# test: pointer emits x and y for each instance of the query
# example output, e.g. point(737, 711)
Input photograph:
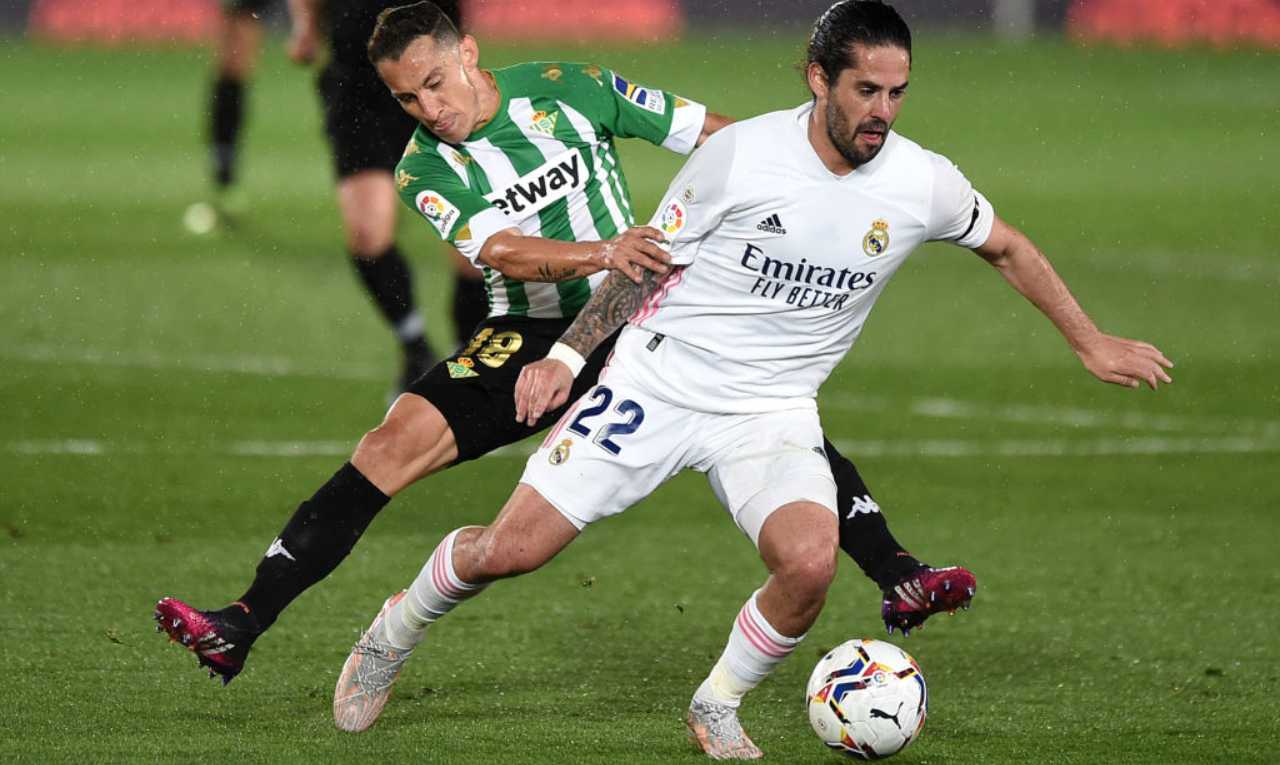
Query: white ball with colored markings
point(867, 699)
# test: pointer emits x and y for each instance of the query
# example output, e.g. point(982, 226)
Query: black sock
point(864, 534)
point(389, 282)
point(320, 534)
point(226, 113)
point(470, 306)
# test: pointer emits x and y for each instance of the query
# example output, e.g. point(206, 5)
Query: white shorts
point(618, 444)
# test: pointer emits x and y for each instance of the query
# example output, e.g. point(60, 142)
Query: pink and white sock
point(435, 592)
point(755, 648)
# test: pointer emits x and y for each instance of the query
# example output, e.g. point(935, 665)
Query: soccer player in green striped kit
point(516, 168)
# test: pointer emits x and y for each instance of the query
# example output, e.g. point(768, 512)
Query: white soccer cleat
point(368, 676)
point(715, 728)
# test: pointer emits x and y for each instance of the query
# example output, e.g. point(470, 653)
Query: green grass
point(1128, 604)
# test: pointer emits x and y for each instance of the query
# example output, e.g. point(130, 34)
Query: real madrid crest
point(560, 454)
point(877, 239)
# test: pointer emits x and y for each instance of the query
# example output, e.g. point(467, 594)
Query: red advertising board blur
point(1224, 23)
point(116, 21)
point(575, 19)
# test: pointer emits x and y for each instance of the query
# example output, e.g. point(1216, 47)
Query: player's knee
point(367, 240)
point(386, 448)
point(808, 567)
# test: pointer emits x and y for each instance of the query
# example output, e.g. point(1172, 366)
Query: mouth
point(874, 137)
point(443, 126)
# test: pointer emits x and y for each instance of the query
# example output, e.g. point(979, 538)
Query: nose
point(430, 106)
point(882, 106)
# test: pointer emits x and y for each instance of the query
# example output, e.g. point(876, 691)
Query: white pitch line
point(262, 366)
point(944, 448)
point(938, 407)
point(1036, 414)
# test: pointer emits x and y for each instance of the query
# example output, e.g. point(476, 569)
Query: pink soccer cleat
point(219, 640)
point(925, 592)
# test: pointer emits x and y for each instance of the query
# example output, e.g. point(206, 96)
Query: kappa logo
point(864, 504)
point(437, 210)
point(771, 225)
point(556, 179)
point(645, 98)
point(403, 180)
point(277, 548)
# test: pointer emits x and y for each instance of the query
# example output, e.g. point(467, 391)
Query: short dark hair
point(398, 27)
point(854, 22)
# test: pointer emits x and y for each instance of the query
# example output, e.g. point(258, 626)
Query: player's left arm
point(1111, 359)
point(711, 123)
point(544, 385)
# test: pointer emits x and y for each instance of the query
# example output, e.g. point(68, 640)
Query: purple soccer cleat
point(219, 643)
point(925, 592)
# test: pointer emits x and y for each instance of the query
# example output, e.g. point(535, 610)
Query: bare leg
point(527, 533)
point(797, 544)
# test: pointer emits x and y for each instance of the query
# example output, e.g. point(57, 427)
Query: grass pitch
point(169, 399)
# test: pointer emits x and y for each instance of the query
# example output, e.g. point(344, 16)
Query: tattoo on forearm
point(548, 273)
point(616, 300)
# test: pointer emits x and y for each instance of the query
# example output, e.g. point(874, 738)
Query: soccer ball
point(867, 699)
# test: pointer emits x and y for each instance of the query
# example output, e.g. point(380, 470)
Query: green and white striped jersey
point(545, 163)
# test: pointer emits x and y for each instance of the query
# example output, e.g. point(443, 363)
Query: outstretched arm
point(536, 259)
point(544, 385)
point(1111, 359)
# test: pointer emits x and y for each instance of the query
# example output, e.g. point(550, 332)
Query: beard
point(845, 139)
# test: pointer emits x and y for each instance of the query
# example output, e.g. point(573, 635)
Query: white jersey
point(782, 260)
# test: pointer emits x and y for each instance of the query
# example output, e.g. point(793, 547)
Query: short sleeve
point(958, 213)
point(658, 116)
point(437, 190)
point(698, 198)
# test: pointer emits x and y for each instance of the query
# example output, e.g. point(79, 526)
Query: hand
point(543, 385)
point(302, 46)
point(1125, 362)
point(634, 249)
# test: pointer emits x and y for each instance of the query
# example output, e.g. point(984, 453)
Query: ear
point(469, 52)
point(817, 81)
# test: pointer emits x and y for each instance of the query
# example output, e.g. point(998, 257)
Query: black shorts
point(367, 129)
point(475, 388)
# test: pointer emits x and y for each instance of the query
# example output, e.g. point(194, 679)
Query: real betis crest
point(461, 368)
point(544, 122)
point(877, 239)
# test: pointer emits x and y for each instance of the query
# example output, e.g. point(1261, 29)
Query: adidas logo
point(771, 225)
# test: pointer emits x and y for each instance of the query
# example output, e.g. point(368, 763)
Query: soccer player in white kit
point(785, 229)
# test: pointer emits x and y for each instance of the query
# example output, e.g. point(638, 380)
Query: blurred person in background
point(235, 57)
point(367, 134)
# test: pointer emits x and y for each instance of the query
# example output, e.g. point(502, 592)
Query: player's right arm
point(695, 203)
point(485, 235)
